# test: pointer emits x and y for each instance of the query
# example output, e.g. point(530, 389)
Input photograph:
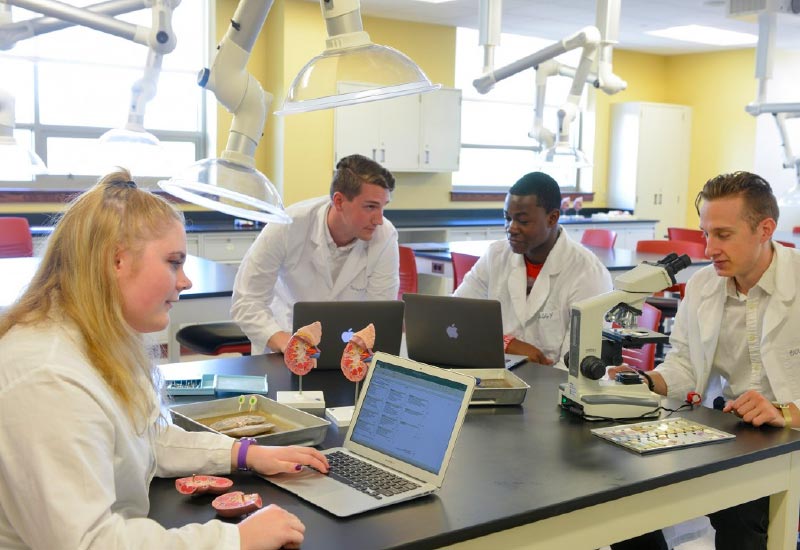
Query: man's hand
point(755, 409)
point(518, 347)
point(279, 341)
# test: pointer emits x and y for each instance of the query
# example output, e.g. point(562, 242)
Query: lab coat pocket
point(789, 360)
point(359, 283)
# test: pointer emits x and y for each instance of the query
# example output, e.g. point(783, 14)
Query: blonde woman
point(81, 434)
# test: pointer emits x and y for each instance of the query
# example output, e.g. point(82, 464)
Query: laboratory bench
point(530, 476)
point(221, 238)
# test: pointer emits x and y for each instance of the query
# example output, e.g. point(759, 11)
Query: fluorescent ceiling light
point(706, 35)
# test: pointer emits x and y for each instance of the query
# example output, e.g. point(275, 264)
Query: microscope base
point(607, 405)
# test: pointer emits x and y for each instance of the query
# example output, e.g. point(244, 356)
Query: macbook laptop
point(340, 320)
point(455, 332)
point(399, 443)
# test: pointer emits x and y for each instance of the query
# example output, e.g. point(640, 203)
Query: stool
point(214, 338)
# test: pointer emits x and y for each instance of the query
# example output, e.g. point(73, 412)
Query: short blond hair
point(76, 279)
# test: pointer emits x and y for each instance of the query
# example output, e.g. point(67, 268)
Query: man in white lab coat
point(338, 247)
point(537, 273)
point(752, 291)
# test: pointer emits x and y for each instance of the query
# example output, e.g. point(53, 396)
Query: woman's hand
point(291, 459)
point(271, 528)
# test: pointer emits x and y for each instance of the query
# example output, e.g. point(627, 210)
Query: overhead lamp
point(350, 56)
point(132, 145)
point(231, 183)
point(564, 154)
point(596, 44)
point(17, 163)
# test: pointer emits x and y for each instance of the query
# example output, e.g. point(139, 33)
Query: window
point(495, 148)
point(73, 85)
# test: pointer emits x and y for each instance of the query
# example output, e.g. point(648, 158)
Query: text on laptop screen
point(409, 415)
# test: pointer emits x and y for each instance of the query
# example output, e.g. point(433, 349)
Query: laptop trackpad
point(308, 480)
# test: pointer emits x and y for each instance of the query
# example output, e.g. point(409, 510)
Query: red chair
point(683, 234)
point(408, 272)
point(15, 238)
point(787, 244)
point(645, 357)
point(603, 238)
point(690, 248)
point(796, 230)
point(462, 263)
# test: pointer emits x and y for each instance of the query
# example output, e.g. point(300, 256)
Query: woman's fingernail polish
point(298, 467)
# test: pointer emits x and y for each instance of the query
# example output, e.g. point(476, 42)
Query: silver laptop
point(341, 319)
point(400, 439)
point(452, 332)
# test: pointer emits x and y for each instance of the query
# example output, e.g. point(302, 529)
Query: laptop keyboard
point(365, 477)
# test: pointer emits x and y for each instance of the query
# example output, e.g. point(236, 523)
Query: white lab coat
point(571, 273)
point(290, 263)
point(698, 322)
point(73, 472)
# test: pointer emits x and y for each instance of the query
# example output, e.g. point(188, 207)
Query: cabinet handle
point(427, 156)
point(374, 151)
point(383, 154)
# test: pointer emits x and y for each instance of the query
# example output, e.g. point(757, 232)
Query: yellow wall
point(717, 86)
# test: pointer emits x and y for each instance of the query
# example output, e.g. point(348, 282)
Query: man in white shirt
point(537, 273)
point(337, 248)
point(751, 291)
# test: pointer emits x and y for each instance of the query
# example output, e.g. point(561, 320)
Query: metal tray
point(496, 387)
point(306, 429)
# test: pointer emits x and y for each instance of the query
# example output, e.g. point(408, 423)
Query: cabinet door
point(399, 133)
point(440, 141)
point(356, 128)
point(663, 165)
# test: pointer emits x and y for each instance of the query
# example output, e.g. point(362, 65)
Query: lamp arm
point(236, 89)
point(144, 90)
point(489, 25)
point(485, 82)
point(567, 112)
point(13, 32)
point(160, 37)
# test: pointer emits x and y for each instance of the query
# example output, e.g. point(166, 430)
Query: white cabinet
point(649, 161)
point(415, 133)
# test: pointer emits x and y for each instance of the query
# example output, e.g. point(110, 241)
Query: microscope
point(592, 348)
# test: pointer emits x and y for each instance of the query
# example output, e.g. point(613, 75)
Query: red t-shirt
point(532, 271)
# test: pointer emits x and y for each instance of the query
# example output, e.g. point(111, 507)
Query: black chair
point(214, 338)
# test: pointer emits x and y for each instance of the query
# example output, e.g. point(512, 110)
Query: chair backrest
point(796, 229)
point(786, 244)
point(684, 234)
point(462, 263)
point(15, 238)
point(692, 249)
point(604, 238)
point(645, 357)
point(408, 272)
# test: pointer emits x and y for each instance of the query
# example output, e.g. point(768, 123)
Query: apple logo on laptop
point(452, 331)
point(347, 335)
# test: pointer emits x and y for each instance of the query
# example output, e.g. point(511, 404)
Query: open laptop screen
point(409, 415)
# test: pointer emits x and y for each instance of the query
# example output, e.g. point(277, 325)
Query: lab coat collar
point(712, 301)
point(785, 290)
point(526, 306)
point(319, 240)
